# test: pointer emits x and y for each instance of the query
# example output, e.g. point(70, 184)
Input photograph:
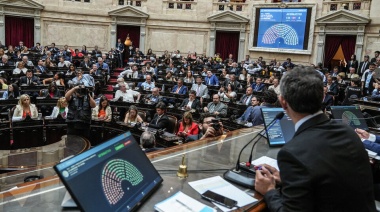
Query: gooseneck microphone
point(244, 178)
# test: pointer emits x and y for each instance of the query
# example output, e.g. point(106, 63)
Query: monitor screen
point(113, 176)
point(350, 115)
point(282, 28)
point(281, 131)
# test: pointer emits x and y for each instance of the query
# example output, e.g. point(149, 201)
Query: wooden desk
point(214, 154)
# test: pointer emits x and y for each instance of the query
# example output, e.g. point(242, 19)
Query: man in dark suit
point(96, 52)
point(332, 86)
point(324, 167)
point(40, 68)
point(232, 81)
point(29, 79)
point(364, 65)
point(377, 53)
point(191, 102)
point(160, 119)
point(120, 51)
point(327, 100)
point(368, 79)
point(180, 88)
point(154, 97)
point(246, 98)
point(258, 86)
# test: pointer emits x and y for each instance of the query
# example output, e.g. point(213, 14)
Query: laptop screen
point(281, 131)
point(113, 176)
point(350, 115)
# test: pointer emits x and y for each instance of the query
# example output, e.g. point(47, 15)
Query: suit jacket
point(162, 123)
point(259, 87)
point(220, 107)
point(203, 90)
point(195, 105)
point(334, 88)
point(373, 146)
point(324, 167)
point(351, 63)
point(18, 112)
point(24, 81)
point(213, 80)
point(236, 84)
point(182, 90)
point(327, 102)
point(41, 70)
point(245, 99)
point(153, 99)
point(359, 71)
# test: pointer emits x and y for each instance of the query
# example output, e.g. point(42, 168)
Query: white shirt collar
point(304, 119)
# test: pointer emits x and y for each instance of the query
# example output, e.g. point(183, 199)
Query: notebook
point(113, 176)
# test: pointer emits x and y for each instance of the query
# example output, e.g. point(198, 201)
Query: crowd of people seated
point(196, 84)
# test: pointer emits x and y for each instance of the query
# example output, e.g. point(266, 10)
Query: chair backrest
point(131, 85)
point(174, 124)
point(142, 114)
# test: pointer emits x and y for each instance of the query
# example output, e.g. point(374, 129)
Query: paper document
point(222, 187)
point(265, 160)
point(180, 202)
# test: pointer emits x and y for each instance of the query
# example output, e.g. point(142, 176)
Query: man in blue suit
point(211, 79)
point(258, 86)
point(370, 141)
point(180, 88)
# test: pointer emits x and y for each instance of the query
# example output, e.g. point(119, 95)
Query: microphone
point(246, 179)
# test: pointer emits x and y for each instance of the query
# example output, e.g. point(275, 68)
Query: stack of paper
point(181, 202)
point(265, 160)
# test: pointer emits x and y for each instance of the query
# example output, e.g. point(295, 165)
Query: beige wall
point(78, 23)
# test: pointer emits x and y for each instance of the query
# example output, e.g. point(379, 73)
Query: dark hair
point(356, 81)
point(161, 105)
point(232, 87)
point(102, 99)
point(302, 89)
point(192, 92)
point(133, 107)
point(354, 56)
point(16, 91)
point(269, 96)
point(206, 115)
point(29, 70)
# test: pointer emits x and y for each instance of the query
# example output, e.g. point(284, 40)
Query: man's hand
point(210, 132)
point(205, 109)
point(376, 85)
point(274, 171)
point(264, 181)
point(362, 133)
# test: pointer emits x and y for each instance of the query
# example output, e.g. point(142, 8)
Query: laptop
point(350, 115)
point(113, 176)
point(281, 131)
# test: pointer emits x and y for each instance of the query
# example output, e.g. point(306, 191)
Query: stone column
point(241, 44)
point(2, 26)
point(37, 27)
point(359, 43)
point(211, 51)
point(113, 33)
point(320, 45)
point(142, 38)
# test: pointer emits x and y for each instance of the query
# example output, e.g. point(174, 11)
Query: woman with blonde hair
point(61, 108)
point(103, 110)
point(187, 127)
point(24, 108)
point(132, 116)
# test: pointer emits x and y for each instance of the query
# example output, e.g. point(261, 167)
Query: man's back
point(324, 168)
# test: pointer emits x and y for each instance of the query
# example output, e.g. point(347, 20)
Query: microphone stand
point(244, 178)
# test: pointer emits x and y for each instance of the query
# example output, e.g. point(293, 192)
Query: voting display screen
point(282, 28)
point(113, 176)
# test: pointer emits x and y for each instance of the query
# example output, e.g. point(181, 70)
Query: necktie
point(42, 69)
point(198, 90)
point(29, 81)
point(178, 89)
point(245, 99)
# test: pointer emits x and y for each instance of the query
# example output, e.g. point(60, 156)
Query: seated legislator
point(370, 141)
point(375, 93)
point(180, 88)
point(327, 100)
point(63, 63)
point(247, 115)
point(216, 107)
point(332, 86)
point(94, 71)
point(258, 86)
point(86, 63)
point(12, 92)
point(324, 167)
point(269, 99)
point(169, 77)
point(29, 79)
point(102, 66)
point(209, 127)
point(211, 79)
point(84, 79)
point(130, 73)
point(40, 68)
point(128, 95)
point(201, 89)
point(102, 111)
point(52, 91)
point(121, 81)
point(246, 98)
point(160, 119)
point(148, 142)
point(191, 102)
point(352, 73)
point(20, 68)
point(227, 95)
point(276, 86)
point(61, 108)
point(154, 97)
point(187, 126)
point(132, 116)
point(148, 84)
point(24, 108)
point(57, 79)
point(232, 81)
point(189, 77)
point(353, 91)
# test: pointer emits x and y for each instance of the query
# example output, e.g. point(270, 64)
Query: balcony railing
point(180, 5)
point(232, 5)
point(361, 7)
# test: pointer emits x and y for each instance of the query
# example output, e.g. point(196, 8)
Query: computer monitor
point(281, 131)
point(113, 176)
point(351, 115)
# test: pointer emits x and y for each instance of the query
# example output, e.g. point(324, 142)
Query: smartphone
point(220, 199)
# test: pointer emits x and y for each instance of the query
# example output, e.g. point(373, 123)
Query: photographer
point(209, 127)
point(78, 118)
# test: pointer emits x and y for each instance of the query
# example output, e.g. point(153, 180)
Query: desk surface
point(214, 155)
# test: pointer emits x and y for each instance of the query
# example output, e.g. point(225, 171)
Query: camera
point(215, 124)
point(82, 90)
